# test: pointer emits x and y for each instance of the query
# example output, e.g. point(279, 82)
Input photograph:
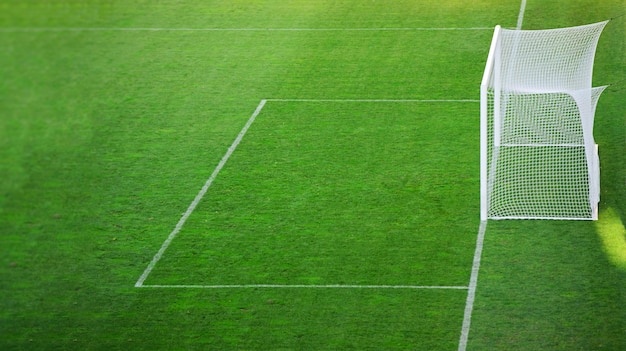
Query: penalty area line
point(199, 197)
point(305, 286)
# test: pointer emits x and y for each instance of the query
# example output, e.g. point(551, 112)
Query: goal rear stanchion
point(538, 156)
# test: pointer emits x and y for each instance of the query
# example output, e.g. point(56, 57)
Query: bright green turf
point(106, 137)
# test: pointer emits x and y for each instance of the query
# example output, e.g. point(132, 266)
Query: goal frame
point(490, 122)
point(484, 122)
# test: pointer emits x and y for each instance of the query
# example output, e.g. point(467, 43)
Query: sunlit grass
point(611, 230)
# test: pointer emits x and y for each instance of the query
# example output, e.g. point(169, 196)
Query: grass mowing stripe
point(200, 195)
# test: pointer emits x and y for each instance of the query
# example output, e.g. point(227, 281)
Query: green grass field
point(345, 217)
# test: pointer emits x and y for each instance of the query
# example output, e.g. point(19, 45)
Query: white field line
point(471, 293)
point(520, 16)
point(199, 197)
point(166, 29)
point(374, 100)
point(306, 286)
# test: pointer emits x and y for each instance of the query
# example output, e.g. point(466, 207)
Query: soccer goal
point(538, 158)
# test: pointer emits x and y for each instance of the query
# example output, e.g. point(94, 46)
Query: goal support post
point(538, 157)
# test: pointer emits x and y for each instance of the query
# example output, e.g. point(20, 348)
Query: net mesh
point(542, 160)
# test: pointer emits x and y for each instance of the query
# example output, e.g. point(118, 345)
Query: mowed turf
point(106, 136)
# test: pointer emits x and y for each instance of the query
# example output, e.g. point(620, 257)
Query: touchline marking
point(165, 29)
point(199, 197)
point(305, 286)
point(471, 293)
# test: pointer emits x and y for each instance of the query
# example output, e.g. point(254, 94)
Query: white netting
point(540, 158)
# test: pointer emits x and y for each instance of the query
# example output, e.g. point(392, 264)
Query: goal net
point(539, 159)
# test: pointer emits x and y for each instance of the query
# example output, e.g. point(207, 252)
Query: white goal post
point(538, 157)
